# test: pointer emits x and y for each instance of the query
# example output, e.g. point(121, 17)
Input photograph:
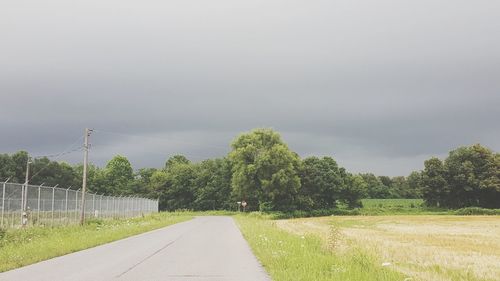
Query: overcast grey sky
point(379, 85)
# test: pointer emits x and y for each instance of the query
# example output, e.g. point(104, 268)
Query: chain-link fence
point(23, 205)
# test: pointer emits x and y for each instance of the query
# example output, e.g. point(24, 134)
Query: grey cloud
point(379, 85)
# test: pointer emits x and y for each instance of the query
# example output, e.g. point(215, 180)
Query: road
point(205, 248)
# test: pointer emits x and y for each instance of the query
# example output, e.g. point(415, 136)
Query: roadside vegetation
point(416, 248)
point(288, 256)
point(20, 247)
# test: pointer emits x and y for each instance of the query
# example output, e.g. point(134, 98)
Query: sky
point(378, 85)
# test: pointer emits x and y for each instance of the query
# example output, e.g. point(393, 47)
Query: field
point(418, 247)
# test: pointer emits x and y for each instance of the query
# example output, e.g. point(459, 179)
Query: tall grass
point(20, 247)
point(290, 257)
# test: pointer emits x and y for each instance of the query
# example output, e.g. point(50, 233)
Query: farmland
point(378, 247)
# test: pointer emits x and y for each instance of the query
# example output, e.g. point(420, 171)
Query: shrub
point(476, 211)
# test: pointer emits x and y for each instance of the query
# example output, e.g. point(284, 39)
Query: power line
point(57, 156)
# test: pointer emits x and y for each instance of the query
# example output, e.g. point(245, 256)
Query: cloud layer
point(380, 86)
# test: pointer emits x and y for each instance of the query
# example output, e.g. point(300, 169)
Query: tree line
point(264, 172)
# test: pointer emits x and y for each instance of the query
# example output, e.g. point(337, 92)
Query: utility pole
point(26, 181)
point(85, 160)
point(24, 195)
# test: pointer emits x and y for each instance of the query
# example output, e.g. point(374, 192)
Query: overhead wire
point(68, 150)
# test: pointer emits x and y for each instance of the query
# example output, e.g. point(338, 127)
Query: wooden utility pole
point(26, 181)
point(84, 183)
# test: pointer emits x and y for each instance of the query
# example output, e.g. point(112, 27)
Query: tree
point(414, 181)
point(174, 185)
point(179, 190)
point(322, 181)
point(213, 185)
point(473, 175)
point(374, 186)
point(19, 160)
point(265, 171)
point(176, 159)
point(354, 189)
point(6, 167)
point(118, 175)
point(435, 188)
point(142, 183)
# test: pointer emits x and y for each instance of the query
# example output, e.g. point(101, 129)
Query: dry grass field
point(421, 247)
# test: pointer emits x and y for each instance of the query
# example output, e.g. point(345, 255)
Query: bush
point(266, 206)
point(476, 211)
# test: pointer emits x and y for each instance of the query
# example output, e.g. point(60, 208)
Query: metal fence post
point(22, 204)
point(76, 204)
point(66, 215)
point(38, 204)
point(53, 197)
point(3, 199)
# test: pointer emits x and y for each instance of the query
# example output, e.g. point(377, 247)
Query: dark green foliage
point(470, 176)
point(265, 170)
point(476, 211)
point(213, 182)
point(375, 187)
point(322, 183)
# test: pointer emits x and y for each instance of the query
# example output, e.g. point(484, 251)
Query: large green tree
point(175, 184)
point(435, 188)
point(213, 182)
point(473, 175)
point(265, 170)
point(322, 182)
point(118, 175)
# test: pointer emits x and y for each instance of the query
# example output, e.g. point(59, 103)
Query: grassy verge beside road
point(20, 247)
point(288, 256)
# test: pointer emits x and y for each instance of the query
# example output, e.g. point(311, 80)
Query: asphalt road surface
point(205, 248)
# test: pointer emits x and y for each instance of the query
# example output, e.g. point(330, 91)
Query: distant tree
point(175, 185)
point(415, 185)
point(142, 185)
point(176, 159)
point(322, 182)
point(7, 167)
point(473, 176)
point(399, 188)
point(265, 171)
point(19, 160)
point(118, 174)
point(213, 185)
point(354, 189)
point(375, 188)
point(435, 188)
point(179, 191)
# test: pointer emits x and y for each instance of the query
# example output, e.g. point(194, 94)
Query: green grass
point(378, 207)
point(20, 247)
point(392, 203)
point(290, 257)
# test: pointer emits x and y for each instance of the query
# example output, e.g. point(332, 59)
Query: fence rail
point(23, 205)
